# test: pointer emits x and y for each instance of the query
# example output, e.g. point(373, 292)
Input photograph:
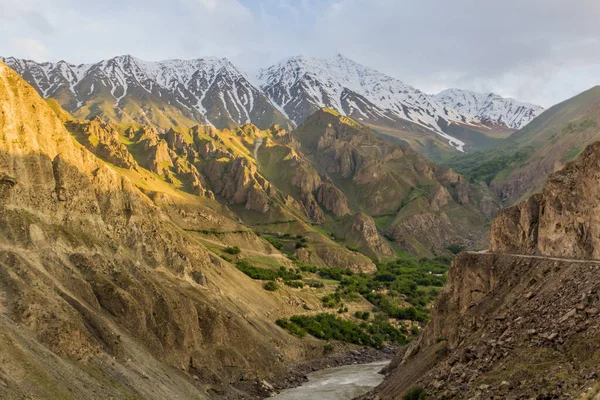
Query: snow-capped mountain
point(207, 90)
point(213, 91)
point(327, 82)
point(300, 85)
point(489, 108)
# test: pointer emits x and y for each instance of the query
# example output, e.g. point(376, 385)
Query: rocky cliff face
point(562, 221)
point(521, 321)
point(102, 139)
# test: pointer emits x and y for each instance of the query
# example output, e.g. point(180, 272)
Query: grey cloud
point(442, 43)
point(536, 50)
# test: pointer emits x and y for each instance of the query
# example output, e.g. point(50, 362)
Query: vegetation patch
point(398, 282)
point(294, 284)
point(266, 274)
point(572, 154)
point(331, 327)
point(578, 126)
point(271, 286)
point(232, 250)
point(401, 289)
point(484, 166)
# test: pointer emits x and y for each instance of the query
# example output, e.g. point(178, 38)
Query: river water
point(339, 383)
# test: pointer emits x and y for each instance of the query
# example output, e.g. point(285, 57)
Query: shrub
point(309, 268)
point(271, 286)
point(289, 274)
point(364, 315)
point(334, 273)
point(265, 274)
point(278, 244)
point(353, 249)
point(455, 248)
point(301, 245)
point(294, 284)
point(316, 284)
point(232, 250)
point(332, 300)
point(417, 393)
point(291, 327)
point(253, 272)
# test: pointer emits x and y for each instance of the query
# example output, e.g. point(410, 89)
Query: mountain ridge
point(302, 84)
point(213, 91)
point(207, 90)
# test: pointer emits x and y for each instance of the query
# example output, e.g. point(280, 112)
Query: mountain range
point(182, 230)
point(183, 93)
point(146, 263)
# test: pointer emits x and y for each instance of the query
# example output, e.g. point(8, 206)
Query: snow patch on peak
point(486, 108)
point(189, 83)
point(323, 81)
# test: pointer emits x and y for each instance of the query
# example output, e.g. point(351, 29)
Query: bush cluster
point(232, 250)
point(397, 282)
point(331, 327)
point(271, 286)
point(364, 315)
point(266, 274)
point(334, 273)
point(316, 284)
point(294, 284)
point(278, 244)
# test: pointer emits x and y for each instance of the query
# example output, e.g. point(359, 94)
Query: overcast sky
point(541, 51)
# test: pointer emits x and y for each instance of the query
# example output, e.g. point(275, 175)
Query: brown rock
point(333, 200)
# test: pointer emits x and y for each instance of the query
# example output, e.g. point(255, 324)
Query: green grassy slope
point(520, 165)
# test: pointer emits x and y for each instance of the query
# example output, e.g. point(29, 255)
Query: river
point(339, 383)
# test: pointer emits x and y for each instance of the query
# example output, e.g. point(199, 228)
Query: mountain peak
point(206, 90)
point(489, 107)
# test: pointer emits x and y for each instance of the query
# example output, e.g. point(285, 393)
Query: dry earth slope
point(101, 294)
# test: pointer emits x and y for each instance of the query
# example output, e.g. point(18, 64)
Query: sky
point(540, 51)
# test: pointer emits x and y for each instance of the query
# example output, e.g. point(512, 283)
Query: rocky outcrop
point(435, 231)
point(439, 197)
point(103, 140)
point(159, 158)
point(311, 207)
point(563, 220)
point(515, 229)
point(382, 179)
point(327, 254)
point(238, 182)
point(364, 232)
point(175, 140)
point(333, 200)
point(302, 175)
